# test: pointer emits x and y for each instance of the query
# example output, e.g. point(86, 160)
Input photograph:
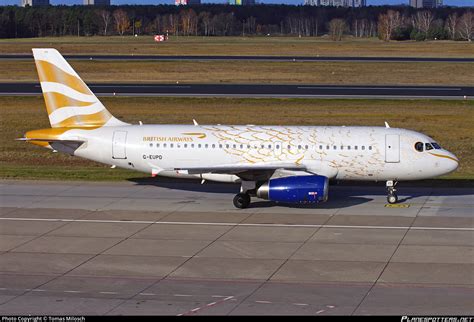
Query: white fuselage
point(346, 153)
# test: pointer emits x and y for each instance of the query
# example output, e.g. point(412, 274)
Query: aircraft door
point(392, 148)
point(119, 141)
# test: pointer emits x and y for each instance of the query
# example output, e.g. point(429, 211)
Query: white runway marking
point(237, 224)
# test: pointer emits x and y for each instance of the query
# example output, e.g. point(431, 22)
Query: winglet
point(386, 125)
point(195, 123)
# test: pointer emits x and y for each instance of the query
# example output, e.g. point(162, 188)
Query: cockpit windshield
point(428, 146)
point(435, 145)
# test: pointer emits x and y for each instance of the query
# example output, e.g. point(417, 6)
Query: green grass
point(448, 122)
point(293, 46)
point(350, 73)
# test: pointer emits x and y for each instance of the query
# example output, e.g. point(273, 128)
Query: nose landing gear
point(392, 197)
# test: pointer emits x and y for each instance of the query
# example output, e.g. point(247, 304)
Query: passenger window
point(306, 147)
point(320, 147)
point(327, 147)
point(299, 147)
point(199, 146)
point(289, 147)
point(241, 146)
point(213, 146)
point(342, 147)
point(363, 147)
point(248, 146)
point(348, 147)
point(277, 146)
point(151, 145)
point(428, 146)
point(185, 145)
point(355, 147)
point(164, 145)
point(171, 145)
point(334, 147)
point(206, 145)
point(419, 146)
point(269, 146)
point(220, 146)
point(192, 145)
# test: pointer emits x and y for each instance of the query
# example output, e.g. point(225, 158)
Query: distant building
point(426, 3)
point(194, 2)
point(96, 2)
point(242, 2)
point(33, 3)
point(336, 3)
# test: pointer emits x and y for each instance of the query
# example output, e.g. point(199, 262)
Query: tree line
point(387, 23)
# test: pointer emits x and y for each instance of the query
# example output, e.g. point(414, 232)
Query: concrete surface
point(182, 249)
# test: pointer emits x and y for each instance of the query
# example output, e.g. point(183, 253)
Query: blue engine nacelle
point(296, 189)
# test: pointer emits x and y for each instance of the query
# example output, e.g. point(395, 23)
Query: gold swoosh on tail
point(444, 156)
point(49, 72)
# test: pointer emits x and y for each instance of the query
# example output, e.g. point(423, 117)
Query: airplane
point(285, 164)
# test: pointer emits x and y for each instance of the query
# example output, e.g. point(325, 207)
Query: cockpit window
point(435, 145)
point(419, 146)
point(428, 146)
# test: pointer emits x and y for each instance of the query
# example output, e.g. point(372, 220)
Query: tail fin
point(69, 102)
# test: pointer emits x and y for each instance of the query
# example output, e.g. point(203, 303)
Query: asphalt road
point(250, 58)
point(181, 248)
point(255, 90)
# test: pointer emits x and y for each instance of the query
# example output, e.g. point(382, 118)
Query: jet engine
point(295, 189)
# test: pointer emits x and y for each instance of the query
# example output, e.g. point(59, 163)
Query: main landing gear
point(242, 199)
point(392, 197)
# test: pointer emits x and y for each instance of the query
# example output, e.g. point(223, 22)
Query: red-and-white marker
point(160, 38)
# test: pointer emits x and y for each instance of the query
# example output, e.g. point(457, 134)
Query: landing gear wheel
point(241, 200)
point(392, 198)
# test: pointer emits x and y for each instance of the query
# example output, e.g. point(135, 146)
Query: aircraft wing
point(263, 171)
point(260, 171)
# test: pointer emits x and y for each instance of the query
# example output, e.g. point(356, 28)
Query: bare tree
point(360, 28)
point(388, 23)
point(188, 21)
point(452, 25)
point(205, 18)
point(466, 26)
point(423, 20)
point(122, 22)
point(106, 17)
point(337, 28)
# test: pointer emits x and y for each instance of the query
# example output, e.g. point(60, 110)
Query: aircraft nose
point(452, 162)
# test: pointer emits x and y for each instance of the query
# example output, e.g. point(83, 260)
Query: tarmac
point(168, 248)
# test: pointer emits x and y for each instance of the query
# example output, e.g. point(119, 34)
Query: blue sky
point(369, 2)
